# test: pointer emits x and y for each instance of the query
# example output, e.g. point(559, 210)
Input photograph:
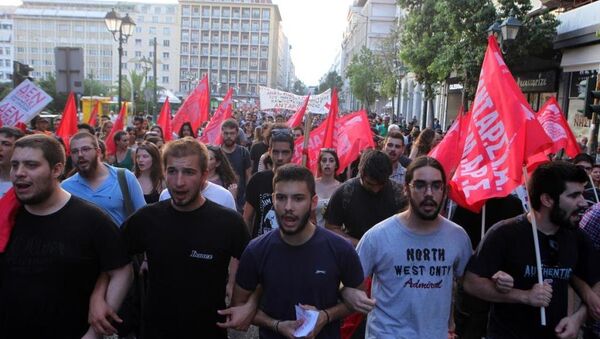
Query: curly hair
point(224, 170)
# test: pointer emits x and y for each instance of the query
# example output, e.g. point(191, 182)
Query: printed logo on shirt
point(320, 272)
point(424, 267)
point(561, 273)
point(203, 256)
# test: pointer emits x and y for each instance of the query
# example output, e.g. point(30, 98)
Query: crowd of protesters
point(184, 240)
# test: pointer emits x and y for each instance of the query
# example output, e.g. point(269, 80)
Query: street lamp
point(401, 71)
point(121, 29)
point(506, 31)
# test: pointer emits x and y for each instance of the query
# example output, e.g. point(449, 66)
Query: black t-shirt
point(258, 195)
point(308, 274)
point(358, 209)
point(256, 151)
point(50, 267)
point(508, 246)
point(188, 256)
point(240, 162)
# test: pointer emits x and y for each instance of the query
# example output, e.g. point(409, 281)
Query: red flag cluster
point(119, 125)
point(195, 108)
point(212, 132)
point(68, 124)
point(296, 119)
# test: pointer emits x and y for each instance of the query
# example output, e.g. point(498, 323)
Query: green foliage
point(331, 80)
point(133, 88)
point(93, 87)
point(299, 88)
point(5, 88)
point(48, 85)
point(364, 77)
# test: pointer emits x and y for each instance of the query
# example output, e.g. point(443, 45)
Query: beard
point(42, 195)
point(560, 218)
point(183, 203)
point(86, 173)
point(416, 208)
point(303, 223)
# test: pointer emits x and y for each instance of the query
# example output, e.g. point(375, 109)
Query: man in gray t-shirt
point(413, 258)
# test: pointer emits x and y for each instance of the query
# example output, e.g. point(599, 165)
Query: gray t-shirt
point(412, 277)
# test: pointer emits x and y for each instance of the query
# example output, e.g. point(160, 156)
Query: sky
point(314, 29)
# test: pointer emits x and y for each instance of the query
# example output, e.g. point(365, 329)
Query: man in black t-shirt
point(258, 210)
point(503, 270)
point(360, 203)
point(57, 249)
point(189, 241)
point(298, 264)
point(238, 157)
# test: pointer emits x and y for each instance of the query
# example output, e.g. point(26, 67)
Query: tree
point(48, 85)
point(299, 88)
point(363, 78)
point(389, 64)
point(331, 80)
point(93, 87)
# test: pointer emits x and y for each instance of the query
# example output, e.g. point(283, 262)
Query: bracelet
point(327, 314)
point(277, 326)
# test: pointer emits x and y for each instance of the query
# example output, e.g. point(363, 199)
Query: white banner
point(23, 103)
point(272, 98)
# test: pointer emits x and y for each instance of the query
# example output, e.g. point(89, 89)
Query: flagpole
point(536, 244)
point(593, 187)
point(307, 124)
point(483, 221)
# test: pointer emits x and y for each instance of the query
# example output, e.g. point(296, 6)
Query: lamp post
point(121, 29)
point(401, 72)
point(506, 31)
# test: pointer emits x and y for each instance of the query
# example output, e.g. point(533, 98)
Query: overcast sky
point(314, 29)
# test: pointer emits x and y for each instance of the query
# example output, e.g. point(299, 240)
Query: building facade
point(6, 43)
point(237, 43)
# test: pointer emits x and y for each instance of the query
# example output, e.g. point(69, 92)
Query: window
point(138, 29)
point(236, 12)
point(138, 42)
point(152, 30)
point(140, 18)
point(150, 42)
point(165, 80)
point(205, 11)
point(138, 54)
point(226, 12)
point(255, 13)
point(216, 11)
point(186, 10)
point(166, 43)
point(266, 14)
point(165, 55)
point(124, 53)
point(246, 13)
point(167, 31)
point(165, 67)
point(157, 10)
point(155, 19)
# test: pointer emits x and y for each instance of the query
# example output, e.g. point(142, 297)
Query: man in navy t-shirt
point(297, 264)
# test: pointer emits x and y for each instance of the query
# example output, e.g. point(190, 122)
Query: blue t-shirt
point(308, 274)
point(108, 195)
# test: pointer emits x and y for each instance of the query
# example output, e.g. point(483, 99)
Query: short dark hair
point(376, 165)
point(53, 151)
point(83, 135)
point(294, 172)
point(86, 127)
point(138, 118)
point(11, 132)
point(394, 135)
point(583, 157)
point(281, 133)
point(551, 178)
point(424, 161)
point(119, 135)
point(230, 123)
point(298, 128)
point(184, 147)
point(335, 158)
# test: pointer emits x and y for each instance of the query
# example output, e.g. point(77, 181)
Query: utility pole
point(155, 101)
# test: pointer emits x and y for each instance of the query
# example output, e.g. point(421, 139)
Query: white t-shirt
point(212, 192)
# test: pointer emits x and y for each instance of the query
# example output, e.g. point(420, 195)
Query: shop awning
point(581, 58)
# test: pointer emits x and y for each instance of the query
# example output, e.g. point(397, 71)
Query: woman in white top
point(326, 183)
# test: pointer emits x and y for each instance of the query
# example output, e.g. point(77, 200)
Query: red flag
point(556, 126)
point(94, 115)
point(353, 134)
point(195, 107)
point(118, 126)
point(68, 124)
point(501, 135)
point(164, 121)
point(212, 132)
point(446, 151)
point(331, 121)
point(9, 205)
point(296, 119)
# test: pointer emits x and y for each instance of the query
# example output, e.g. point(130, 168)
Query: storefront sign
point(537, 81)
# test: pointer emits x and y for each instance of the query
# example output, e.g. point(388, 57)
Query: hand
point(288, 327)
point(229, 289)
point(238, 317)
point(100, 316)
point(144, 267)
point(540, 295)
point(592, 301)
point(568, 328)
point(233, 189)
point(321, 321)
point(504, 281)
point(357, 300)
point(90, 334)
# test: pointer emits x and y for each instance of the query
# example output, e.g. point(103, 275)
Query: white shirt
point(212, 192)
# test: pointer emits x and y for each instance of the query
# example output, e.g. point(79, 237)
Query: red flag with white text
point(164, 121)
point(68, 124)
point(296, 118)
point(119, 125)
point(212, 132)
point(556, 126)
point(501, 135)
point(195, 107)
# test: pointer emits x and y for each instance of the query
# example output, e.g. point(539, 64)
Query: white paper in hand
point(309, 321)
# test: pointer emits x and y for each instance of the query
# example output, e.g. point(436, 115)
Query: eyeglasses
point(281, 132)
point(423, 186)
point(84, 150)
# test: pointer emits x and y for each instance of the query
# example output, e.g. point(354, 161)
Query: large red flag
point(195, 107)
point(296, 119)
point(119, 125)
point(212, 132)
point(556, 126)
point(164, 121)
point(328, 141)
point(353, 134)
point(446, 151)
point(9, 205)
point(501, 135)
point(94, 115)
point(68, 124)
